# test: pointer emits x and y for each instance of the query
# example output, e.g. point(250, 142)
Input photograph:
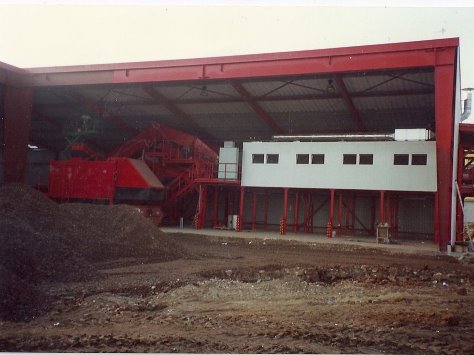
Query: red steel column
point(265, 212)
point(17, 122)
point(436, 220)
point(397, 208)
point(444, 117)
point(241, 209)
point(296, 214)
point(347, 227)
point(254, 209)
point(372, 215)
point(216, 206)
point(284, 212)
point(354, 201)
point(339, 215)
point(382, 207)
point(331, 214)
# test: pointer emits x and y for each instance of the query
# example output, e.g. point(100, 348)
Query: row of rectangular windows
point(347, 159)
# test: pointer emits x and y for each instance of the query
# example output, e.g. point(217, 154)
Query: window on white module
point(400, 159)
point(349, 159)
point(317, 158)
point(366, 159)
point(257, 159)
point(418, 159)
point(272, 158)
point(302, 158)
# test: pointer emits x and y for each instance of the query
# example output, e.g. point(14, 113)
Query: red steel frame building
point(439, 55)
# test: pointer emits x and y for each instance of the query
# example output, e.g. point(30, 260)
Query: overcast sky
point(45, 33)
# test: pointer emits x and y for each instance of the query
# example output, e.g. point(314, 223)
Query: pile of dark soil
point(116, 231)
point(44, 241)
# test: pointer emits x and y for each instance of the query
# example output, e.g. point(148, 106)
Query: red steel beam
point(348, 101)
point(105, 115)
point(17, 123)
point(264, 116)
point(338, 60)
point(171, 107)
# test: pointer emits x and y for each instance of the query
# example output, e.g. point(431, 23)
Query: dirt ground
point(259, 296)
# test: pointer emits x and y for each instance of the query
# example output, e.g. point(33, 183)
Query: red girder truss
point(264, 116)
point(360, 126)
point(171, 107)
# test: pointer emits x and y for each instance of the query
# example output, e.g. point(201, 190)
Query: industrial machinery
point(152, 171)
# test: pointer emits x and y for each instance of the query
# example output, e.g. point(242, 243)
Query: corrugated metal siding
point(416, 215)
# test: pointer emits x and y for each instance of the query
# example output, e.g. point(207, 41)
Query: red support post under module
point(347, 226)
point(254, 209)
point(241, 209)
point(395, 216)
point(339, 215)
point(17, 122)
point(265, 211)
point(382, 207)
point(296, 214)
point(284, 212)
point(216, 206)
point(372, 215)
point(202, 207)
point(354, 197)
point(331, 214)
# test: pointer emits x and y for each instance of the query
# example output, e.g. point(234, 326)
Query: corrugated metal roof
point(138, 110)
point(408, 102)
point(197, 91)
point(288, 87)
point(388, 82)
point(383, 102)
point(216, 108)
point(304, 105)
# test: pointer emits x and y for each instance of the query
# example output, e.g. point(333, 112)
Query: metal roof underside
point(383, 101)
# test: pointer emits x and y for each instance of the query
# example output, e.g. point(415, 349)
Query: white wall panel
point(382, 175)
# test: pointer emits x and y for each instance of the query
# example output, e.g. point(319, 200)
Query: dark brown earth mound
point(44, 241)
point(118, 231)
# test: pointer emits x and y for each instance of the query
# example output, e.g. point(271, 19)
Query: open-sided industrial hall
point(302, 97)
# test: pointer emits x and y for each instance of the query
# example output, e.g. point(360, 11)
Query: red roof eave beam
point(339, 60)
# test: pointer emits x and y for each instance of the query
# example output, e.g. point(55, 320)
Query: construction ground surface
point(255, 293)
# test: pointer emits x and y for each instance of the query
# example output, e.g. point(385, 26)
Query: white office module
point(387, 166)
